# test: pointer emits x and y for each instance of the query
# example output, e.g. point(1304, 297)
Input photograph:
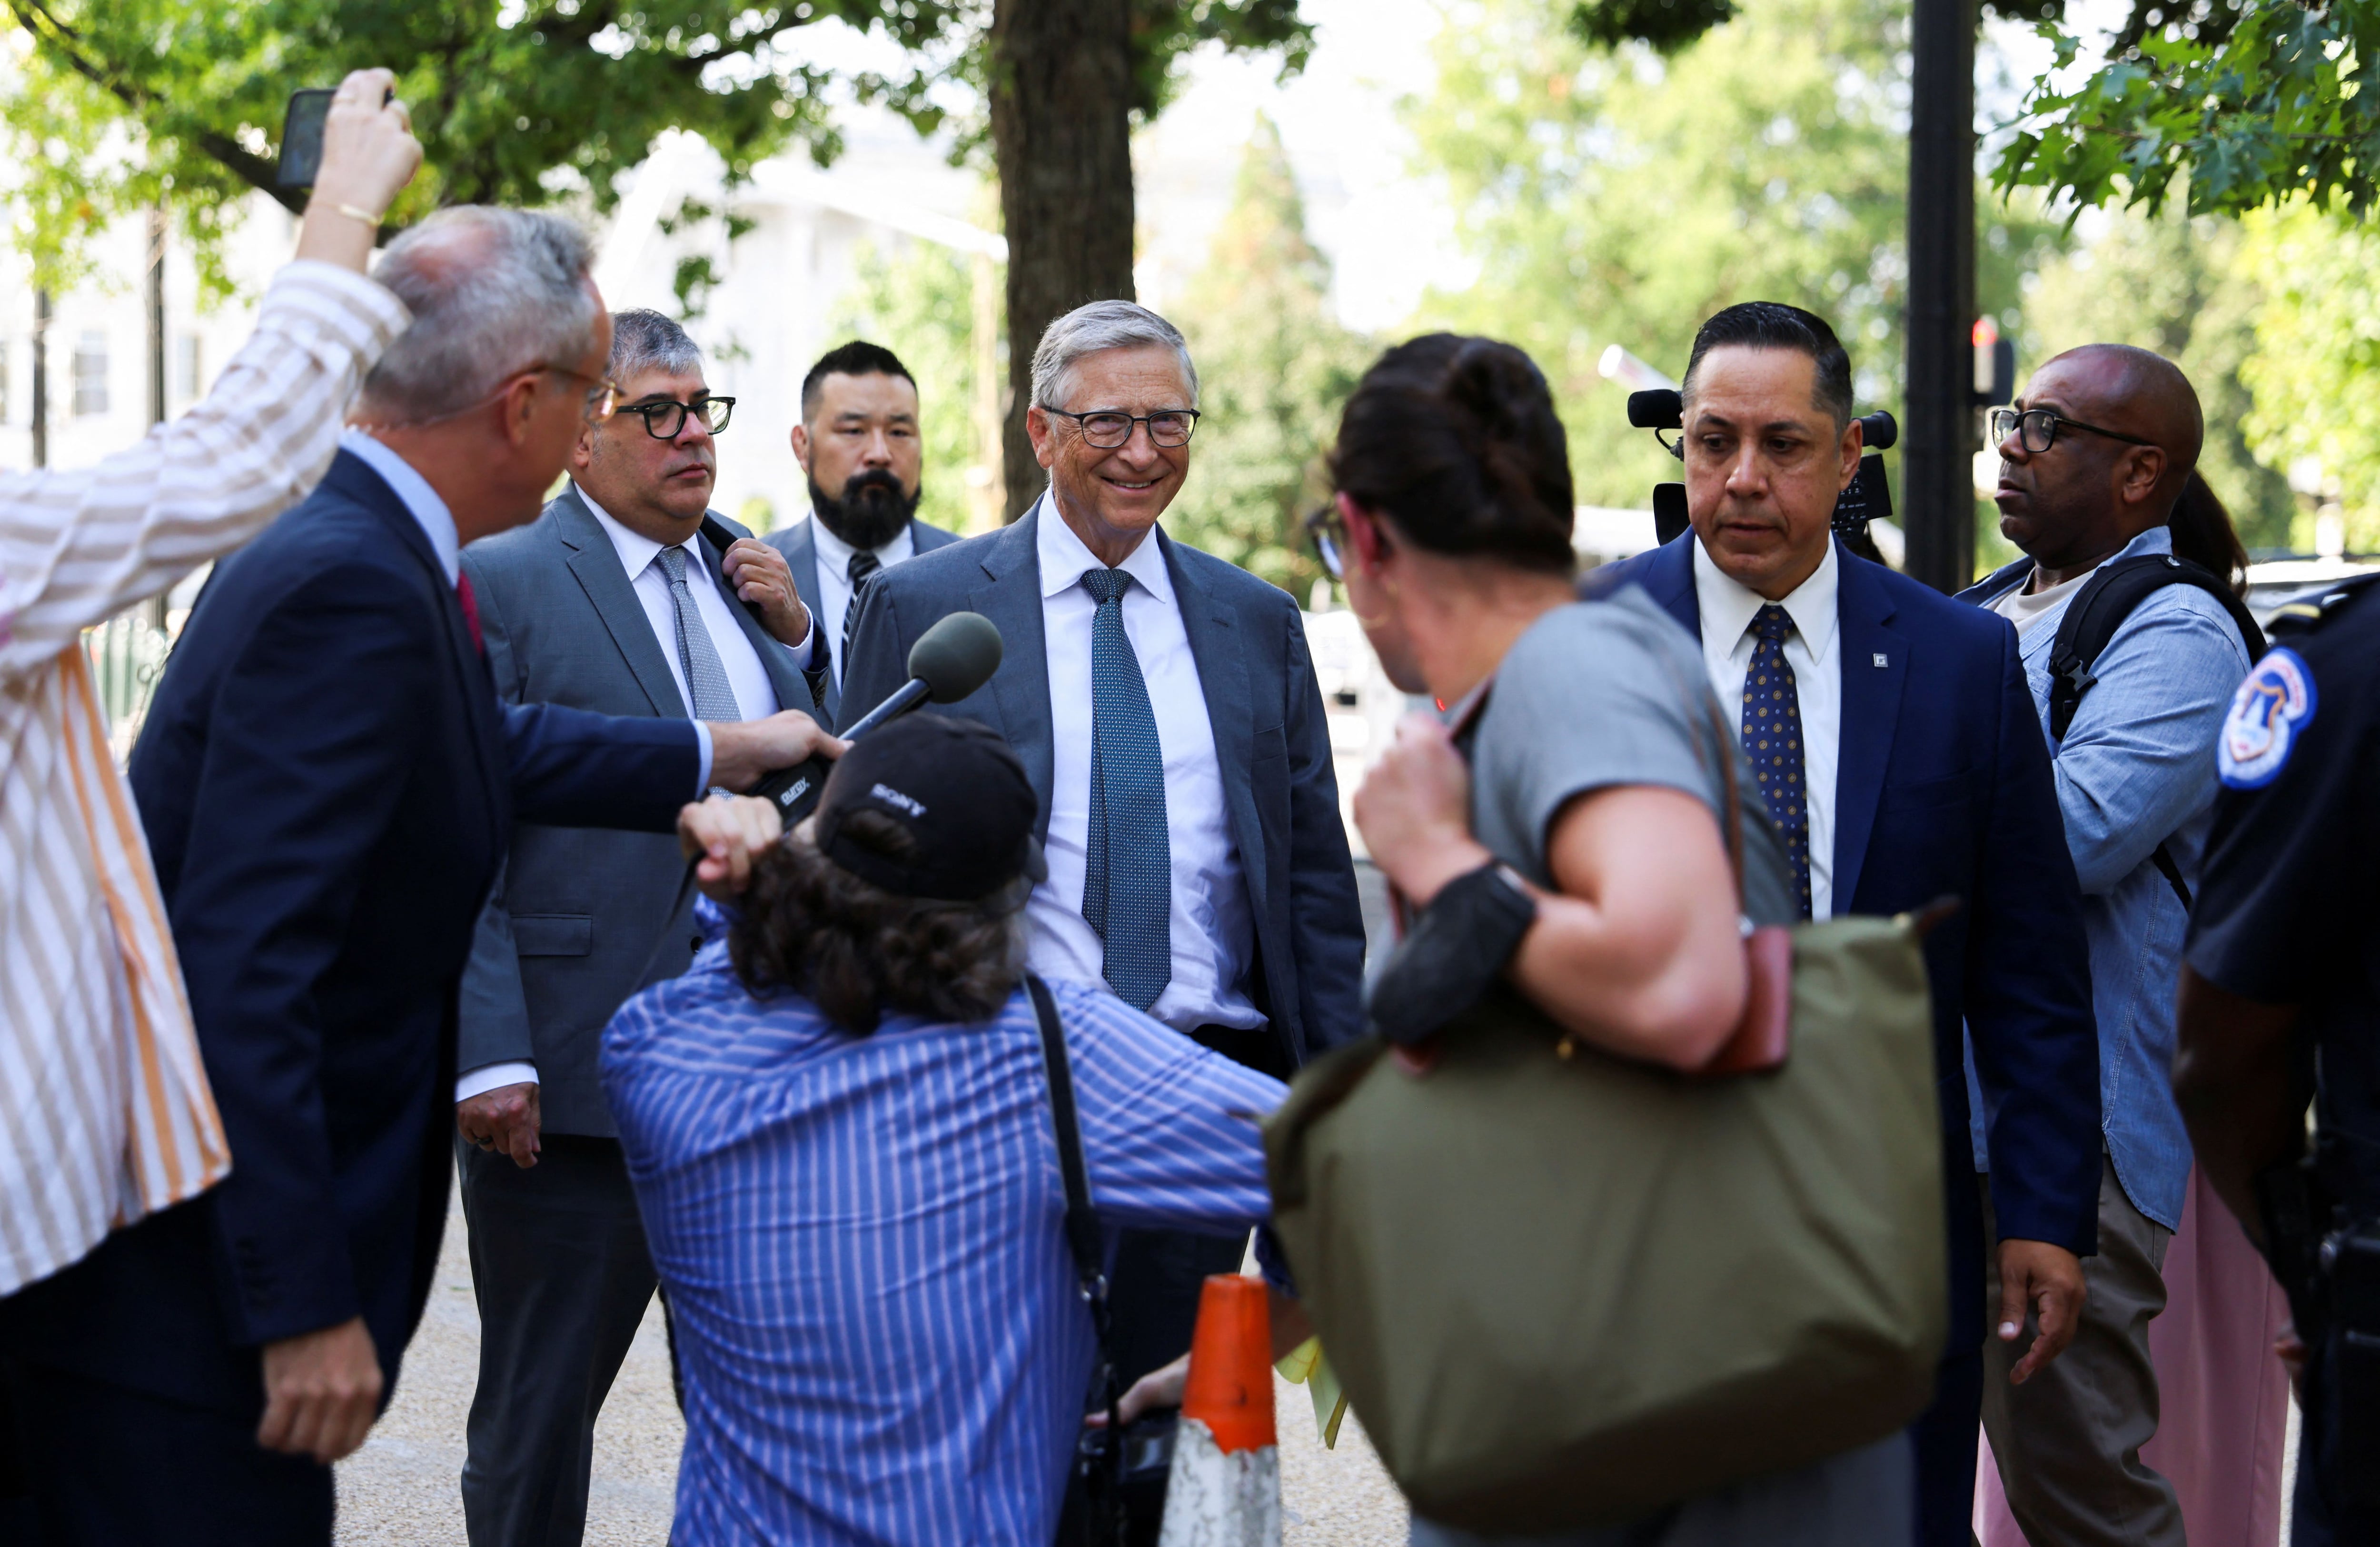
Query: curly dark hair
point(858, 951)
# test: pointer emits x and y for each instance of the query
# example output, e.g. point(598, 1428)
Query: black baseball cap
point(957, 787)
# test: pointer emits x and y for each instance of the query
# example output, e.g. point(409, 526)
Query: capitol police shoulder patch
point(2267, 712)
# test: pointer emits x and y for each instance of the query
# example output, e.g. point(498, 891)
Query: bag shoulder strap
point(1082, 1224)
point(2109, 597)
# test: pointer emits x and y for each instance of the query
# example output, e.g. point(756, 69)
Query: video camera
point(1867, 499)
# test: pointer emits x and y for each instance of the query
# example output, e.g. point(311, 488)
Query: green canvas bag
point(1564, 1289)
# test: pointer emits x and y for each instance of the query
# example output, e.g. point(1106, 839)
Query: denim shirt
point(2138, 766)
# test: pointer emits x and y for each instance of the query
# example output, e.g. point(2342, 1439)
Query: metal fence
point(128, 655)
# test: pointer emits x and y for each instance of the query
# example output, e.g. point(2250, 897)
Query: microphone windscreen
point(1656, 408)
point(956, 656)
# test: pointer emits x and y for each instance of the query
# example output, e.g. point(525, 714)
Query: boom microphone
point(949, 662)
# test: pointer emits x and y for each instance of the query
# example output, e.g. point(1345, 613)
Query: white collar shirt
point(835, 578)
point(1213, 933)
point(1815, 651)
point(756, 696)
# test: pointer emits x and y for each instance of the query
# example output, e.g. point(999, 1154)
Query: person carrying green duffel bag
point(1629, 1228)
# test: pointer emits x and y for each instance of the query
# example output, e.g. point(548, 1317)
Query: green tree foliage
point(2316, 371)
point(1275, 366)
point(1619, 195)
point(2247, 103)
point(919, 304)
point(2190, 289)
point(517, 102)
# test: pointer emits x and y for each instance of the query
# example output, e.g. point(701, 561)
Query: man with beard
point(859, 438)
point(614, 600)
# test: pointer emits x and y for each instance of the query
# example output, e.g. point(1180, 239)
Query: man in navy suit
point(858, 443)
point(1166, 711)
point(328, 784)
point(1896, 743)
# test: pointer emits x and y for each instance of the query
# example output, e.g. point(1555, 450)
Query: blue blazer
point(1943, 788)
point(579, 918)
point(1271, 737)
point(798, 543)
point(328, 784)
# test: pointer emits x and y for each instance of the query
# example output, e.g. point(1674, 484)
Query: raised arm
point(79, 546)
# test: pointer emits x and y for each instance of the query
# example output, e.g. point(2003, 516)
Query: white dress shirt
point(835, 578)
point(1214, 937)
point(1815, 651)
point(755, 695)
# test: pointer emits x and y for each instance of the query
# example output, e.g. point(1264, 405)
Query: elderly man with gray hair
point(1165, 706)
point(621, 597)
point(329, 785)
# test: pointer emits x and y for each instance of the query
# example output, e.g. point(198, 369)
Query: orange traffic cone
point(1225, 1489)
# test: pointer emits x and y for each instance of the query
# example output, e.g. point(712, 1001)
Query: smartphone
point(302, 137)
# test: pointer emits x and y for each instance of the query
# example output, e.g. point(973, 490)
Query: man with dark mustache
point(615, 599)
point(858, 441)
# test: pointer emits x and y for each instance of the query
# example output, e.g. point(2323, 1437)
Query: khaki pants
point(2069, 1440)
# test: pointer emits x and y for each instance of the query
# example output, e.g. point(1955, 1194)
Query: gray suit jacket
point(577, 913)
point(798, 543)
point(1266, 707)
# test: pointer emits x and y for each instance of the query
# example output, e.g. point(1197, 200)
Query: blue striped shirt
point(861, 1241)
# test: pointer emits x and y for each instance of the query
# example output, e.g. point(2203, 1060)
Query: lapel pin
point(1879, 660)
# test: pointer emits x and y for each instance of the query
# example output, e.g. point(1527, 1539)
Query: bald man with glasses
point(616, 600)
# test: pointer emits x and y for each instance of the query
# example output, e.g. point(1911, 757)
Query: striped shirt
point(861, 1240)
point(104, 1111)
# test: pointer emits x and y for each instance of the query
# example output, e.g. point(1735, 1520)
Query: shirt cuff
point(491, 1076)
point(702, 773)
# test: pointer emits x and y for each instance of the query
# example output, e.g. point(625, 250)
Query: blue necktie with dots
point(1128, 858)
point(1772, 736)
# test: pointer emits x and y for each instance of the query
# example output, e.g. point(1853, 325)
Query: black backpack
point(2106, 600)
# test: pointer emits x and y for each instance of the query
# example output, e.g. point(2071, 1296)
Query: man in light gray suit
point(1165, 706)
point(616, 599)
point(857, 437)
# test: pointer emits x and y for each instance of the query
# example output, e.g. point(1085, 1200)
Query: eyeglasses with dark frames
point(2037, 428)
point(1107, 429)
point(665, 419)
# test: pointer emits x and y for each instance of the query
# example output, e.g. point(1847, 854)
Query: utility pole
point(40, 378)
point(1938, 443)
point(156, 607)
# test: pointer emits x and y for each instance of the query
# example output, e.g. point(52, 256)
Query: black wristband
point(1450, 958)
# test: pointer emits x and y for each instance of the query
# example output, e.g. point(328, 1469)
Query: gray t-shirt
point(1602, 693)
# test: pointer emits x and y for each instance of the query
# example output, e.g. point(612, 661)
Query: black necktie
point(863, 564)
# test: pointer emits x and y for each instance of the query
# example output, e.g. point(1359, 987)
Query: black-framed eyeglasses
point(2037, 428)
point(664, 419)
point(1107, 429)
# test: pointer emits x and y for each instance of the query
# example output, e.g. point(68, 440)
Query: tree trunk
point(1062, 137)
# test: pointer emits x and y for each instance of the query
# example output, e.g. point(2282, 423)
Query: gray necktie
point(863, 564)
point(1128, 856)
point(706, 679)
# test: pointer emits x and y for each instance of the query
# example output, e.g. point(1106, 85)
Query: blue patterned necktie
point(1772, 736)
point(706, 677)
point(1128, 858)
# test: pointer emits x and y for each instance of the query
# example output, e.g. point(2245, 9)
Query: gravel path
point(400, 1488)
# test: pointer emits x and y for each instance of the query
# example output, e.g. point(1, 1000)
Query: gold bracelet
point(353, 213)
